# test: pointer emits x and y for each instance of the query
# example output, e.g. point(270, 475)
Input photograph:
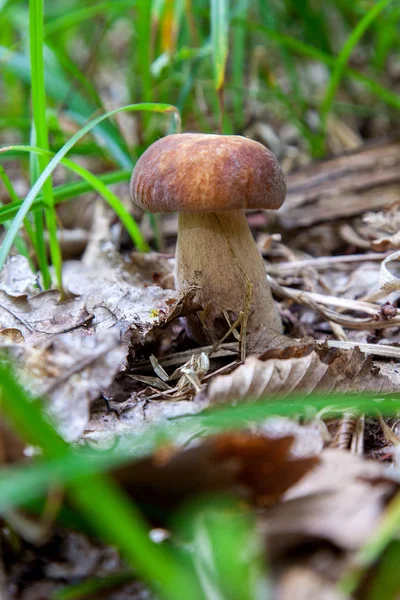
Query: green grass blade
point(143, 39)
point(36, 44)
point(344, 56)
point(8, 185)
point(79, 109)
point(37, 223)
point(19, 242)
point(78, 16)
point(386, 95)
point(113, 200)
point(26, 206)
point(35, 479)
point(98, 497)
point(130, 532)
point(219, 39)
point(92, 586)
point(271, 19)
point(386, 583)
point(239, 63)
point(369, 554)
point(229, 559)
point(62, 193)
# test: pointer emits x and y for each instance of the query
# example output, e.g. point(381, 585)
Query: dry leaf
point(71, 371)
point(39, 317)
point(391, 242)
point(17, 278)
point(340, 501)
point(69, 351)
point(117, 298)
point(309, 439)
point(256, 467)
point(334, 371)
point(389, 280)
point(135, 415)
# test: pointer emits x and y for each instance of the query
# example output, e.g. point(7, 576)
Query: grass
point(216, 63)
point(95, 496)
point(178, 35)
point(27, 203)
point(40, 135)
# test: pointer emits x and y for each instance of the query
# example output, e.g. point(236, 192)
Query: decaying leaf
point(117, 297)
point(341, 501)
point(17, 278)
point(39, 317)
point(135, 415)
point(71, 371)
point(258, 468)
point(71, 350)
point(279, 374)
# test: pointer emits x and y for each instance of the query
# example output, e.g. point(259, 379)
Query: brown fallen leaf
point(341, 502)
point(258, 468)
point(11, 446)
point(281, 373)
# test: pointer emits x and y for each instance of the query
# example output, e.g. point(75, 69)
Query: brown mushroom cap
point(196, 172)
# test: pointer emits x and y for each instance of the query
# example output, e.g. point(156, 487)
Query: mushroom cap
point(196, 172)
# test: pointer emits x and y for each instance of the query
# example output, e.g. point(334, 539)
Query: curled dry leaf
point(389, 279)
point(334, 371)
point(258, 468)
point(389, 242)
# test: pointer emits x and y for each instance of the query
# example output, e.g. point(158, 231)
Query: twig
point(345, 432)
point(344, 303)
point(323, 262)
point(243, 329)
point(373, 349)
point(307, 298)
point(179, 358)
point(217, 344)
point(357, 441)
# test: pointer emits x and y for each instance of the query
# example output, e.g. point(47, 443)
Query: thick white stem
point(216, 253)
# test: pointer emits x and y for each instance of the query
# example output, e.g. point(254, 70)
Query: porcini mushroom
point(210, 180)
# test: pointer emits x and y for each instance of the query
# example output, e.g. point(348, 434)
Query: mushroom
point(210, 180)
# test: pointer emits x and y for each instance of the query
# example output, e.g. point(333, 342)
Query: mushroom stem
point(216, 252)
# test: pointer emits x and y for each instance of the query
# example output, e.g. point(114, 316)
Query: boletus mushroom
point(210, 180)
